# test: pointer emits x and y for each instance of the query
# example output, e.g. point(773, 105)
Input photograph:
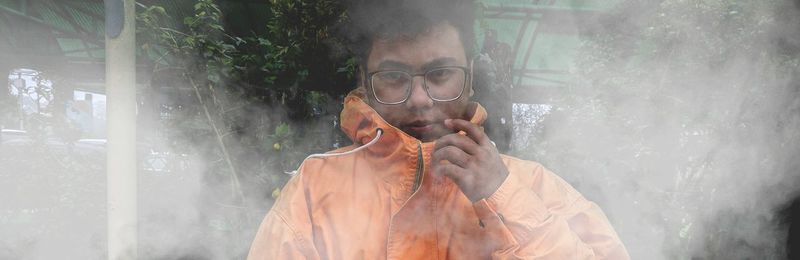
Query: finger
point(452, 171)
point(453, 155)
point(472, 130)
point(459, 141)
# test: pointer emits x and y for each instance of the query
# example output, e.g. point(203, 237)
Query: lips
point(421, 129)
point(420, 126)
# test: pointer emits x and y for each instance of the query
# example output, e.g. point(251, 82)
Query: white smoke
point(684, 125)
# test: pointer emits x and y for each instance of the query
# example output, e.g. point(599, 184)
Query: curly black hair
point(368, 20)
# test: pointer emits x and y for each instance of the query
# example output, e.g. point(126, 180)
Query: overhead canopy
point(65, 37)
point(544, 37)
point(61, 37)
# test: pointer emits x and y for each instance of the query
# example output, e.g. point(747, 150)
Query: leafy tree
point(245, 101)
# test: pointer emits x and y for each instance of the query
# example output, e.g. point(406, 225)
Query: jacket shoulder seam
point(295, 234)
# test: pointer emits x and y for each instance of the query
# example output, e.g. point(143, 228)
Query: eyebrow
point(444, 61)
point(392, 64)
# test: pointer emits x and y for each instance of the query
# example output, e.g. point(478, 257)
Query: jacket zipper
point(420, 165)
point(414, 188)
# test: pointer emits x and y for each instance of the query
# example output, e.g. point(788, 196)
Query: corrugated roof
point(538, 31)
point(70, 26)
point(63, 24)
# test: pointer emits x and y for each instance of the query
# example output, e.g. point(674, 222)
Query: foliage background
point(249, 104)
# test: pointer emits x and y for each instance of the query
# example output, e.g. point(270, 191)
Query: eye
point(392, 77)
point(440, 75)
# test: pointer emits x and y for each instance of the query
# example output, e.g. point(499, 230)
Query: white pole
point(121, 127)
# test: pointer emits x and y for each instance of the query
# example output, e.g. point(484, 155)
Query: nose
point(418, 98)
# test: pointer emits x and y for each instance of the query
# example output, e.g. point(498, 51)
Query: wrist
point(490, 188)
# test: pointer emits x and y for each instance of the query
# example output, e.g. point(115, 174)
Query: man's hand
point(474, 162)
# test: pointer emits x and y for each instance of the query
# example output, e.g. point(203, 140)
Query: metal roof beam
point(84, 36)
point(27, 17)
point(75, 7)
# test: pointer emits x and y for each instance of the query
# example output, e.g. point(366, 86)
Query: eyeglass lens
point(442, 84)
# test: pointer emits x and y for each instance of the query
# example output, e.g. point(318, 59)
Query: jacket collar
point(360, 122)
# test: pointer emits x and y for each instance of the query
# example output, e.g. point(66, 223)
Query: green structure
point(62, 38)
point(542, 37)
point(65, 38)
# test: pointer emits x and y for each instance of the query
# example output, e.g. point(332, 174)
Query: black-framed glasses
point(442, 84)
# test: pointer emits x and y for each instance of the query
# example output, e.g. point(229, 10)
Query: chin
point(422, 137)
point(428, 136)
point(428, 139)
point(432, 136)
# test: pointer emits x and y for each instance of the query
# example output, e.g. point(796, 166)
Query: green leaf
point(282, 130)
point(213, 77)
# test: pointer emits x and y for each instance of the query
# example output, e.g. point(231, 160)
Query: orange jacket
point(380, 202)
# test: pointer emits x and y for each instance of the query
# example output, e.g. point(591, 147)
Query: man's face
point(420, 116)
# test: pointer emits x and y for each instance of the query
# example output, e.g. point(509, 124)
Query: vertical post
point(5, 98)
point(21, 87)
point(121, 146)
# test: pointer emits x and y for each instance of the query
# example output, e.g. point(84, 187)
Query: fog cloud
point(682, 123)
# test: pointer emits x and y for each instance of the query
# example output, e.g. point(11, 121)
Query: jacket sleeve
point(285, 233)
point(540, 216)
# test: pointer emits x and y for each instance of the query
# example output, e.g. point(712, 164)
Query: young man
point(422, 180)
